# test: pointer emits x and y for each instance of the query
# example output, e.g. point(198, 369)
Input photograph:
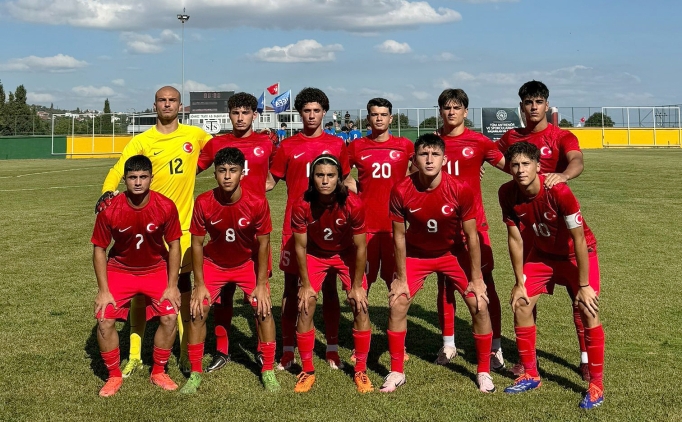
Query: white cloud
point(303, 51)
point(360, 16)
point(421, 95)
point(93, 91)
point(119, 82)
point(146, 44)
point(191, 85)
point(336, 90)
point(444, 57)
point(58, 63)
point(228, 87)
point(37, 97)
point(393, 47)
point(370, 93)
point(489, 1)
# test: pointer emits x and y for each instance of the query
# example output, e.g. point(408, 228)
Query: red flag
point(274, 89)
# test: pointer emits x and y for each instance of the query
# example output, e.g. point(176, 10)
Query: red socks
point(594, 337)
point(483, 343)
point(160, 357)
point(268, 351)
point(361, 340)
point(222, 315)
point(579, 328)
point(446, 307)
point(306, 344)
point(195, 353)
point(525, 342)
point(396, 348)
point(494, 309)
point(112, 360)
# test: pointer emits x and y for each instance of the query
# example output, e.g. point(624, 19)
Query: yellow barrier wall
point(97, 147)
point(623, 137)
point(588, 138)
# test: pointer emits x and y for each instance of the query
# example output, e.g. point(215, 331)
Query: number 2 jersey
point(380, 166)
point(550, 215)
point(138, 234)
point(434, 217)
point(174, 164)
point(232, 227)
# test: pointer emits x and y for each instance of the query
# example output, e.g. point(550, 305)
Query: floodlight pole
point(183, 18)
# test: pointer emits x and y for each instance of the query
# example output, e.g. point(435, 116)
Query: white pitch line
point(50, 187)
point(47, 172)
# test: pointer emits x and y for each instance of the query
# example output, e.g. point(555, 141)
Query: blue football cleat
point(523, 383)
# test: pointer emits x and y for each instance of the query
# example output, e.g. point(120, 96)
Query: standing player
point(258, 150)
point(281, 133)
point(139, 222)
point(467, 151)
point(563, 250)
point(329, 233)
point(430, 209)
point(292, 163)
point(236, 220)
point(354, 133)
point(562, 160)
point(173, 149)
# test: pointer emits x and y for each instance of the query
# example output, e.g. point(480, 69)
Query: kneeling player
point(429, 210)
point(235, 220)
point(329, 235)
point(564, 251)
point(139, 222)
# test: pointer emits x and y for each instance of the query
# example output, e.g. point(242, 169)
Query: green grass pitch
point(50, 366)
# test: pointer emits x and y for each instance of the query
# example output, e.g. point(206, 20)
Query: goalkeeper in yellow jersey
point(173, 149)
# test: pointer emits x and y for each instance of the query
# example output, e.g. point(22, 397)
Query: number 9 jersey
point(174, 164)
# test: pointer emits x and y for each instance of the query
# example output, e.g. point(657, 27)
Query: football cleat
point(110, 388)
point(497, 361)
point(594, 397)
point(585, 371)
point(270, 381)
point(192, 384)
point(219, 360)
point(485, 382)
point(164, 381)
point(130, 367)
point(304, 383)
point(363, 383)
point(286, 361)
point(523, 383)
point(392, 381)
point(445, 355)
point(334, 360)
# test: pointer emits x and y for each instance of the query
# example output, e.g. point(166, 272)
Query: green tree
point(105, 123)
point(595, 120)
point(429, 123)
point(402, 118)
point(565, 123)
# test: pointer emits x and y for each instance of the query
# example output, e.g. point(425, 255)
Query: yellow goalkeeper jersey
point(174, 164)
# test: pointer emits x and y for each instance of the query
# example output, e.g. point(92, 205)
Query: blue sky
point(76, 53)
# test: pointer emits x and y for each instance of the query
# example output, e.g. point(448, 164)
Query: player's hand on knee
point(261, 298)
point(519, 297)
point(102, 300)
point(196, 305)
point(172, 294)
point(104, 201)
point(480, 291)
point(399, 288)
point(357, 299)
point(587, 300)
point(304, 295)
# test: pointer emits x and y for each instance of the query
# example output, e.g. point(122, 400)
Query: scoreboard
point(206, 102)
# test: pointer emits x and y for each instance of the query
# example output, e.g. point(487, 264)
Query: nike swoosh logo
point(213, 223)
point(124, 229)
point(364, 157)
point(521, 215)
point(157, 152)
point(168, 308)
point(413, 211)
point(298, 155)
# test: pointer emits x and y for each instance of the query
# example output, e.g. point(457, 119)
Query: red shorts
point(542, 273)
point(455, 268)
point(287, 255)
point(124, 286)
point(380, 257)
point(344, 266)
point(215, 278)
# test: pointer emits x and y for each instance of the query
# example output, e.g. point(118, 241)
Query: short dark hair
point(341, 192)
point(311, 95)
point(522, 148)
point(429, 140)
point(379, 102)
point(137, 163)
point(242, 99)
point(328, 124)
point(533, 89)
point(229, 155)
point(283, 125)
point(458, 96)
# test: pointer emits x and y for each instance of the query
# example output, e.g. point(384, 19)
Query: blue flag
point(261, 104)
point(281, 102)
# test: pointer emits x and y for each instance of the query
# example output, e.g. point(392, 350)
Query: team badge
point(394, 155)
point(151, 227)
point(468, 152)
point(550, 216)
point(188, 147)
point(243, 222)
point(545, 152)
point(258, 152)
point(447, 209)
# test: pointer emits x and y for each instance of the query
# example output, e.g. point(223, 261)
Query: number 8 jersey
point(550, 214)
point(434, 217)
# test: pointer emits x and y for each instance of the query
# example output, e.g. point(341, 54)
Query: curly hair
point(311, 95)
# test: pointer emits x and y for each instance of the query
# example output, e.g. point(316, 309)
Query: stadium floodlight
point(183, 18)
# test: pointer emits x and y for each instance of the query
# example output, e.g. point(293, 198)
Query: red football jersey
point(138, 234)
point(434, 217)
point(466, 154)
point(554, 143)
point(258, 153)
point(380, 166)
point(292, 163)
point(551, 214)
point(330, 229)
point(232, 228)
